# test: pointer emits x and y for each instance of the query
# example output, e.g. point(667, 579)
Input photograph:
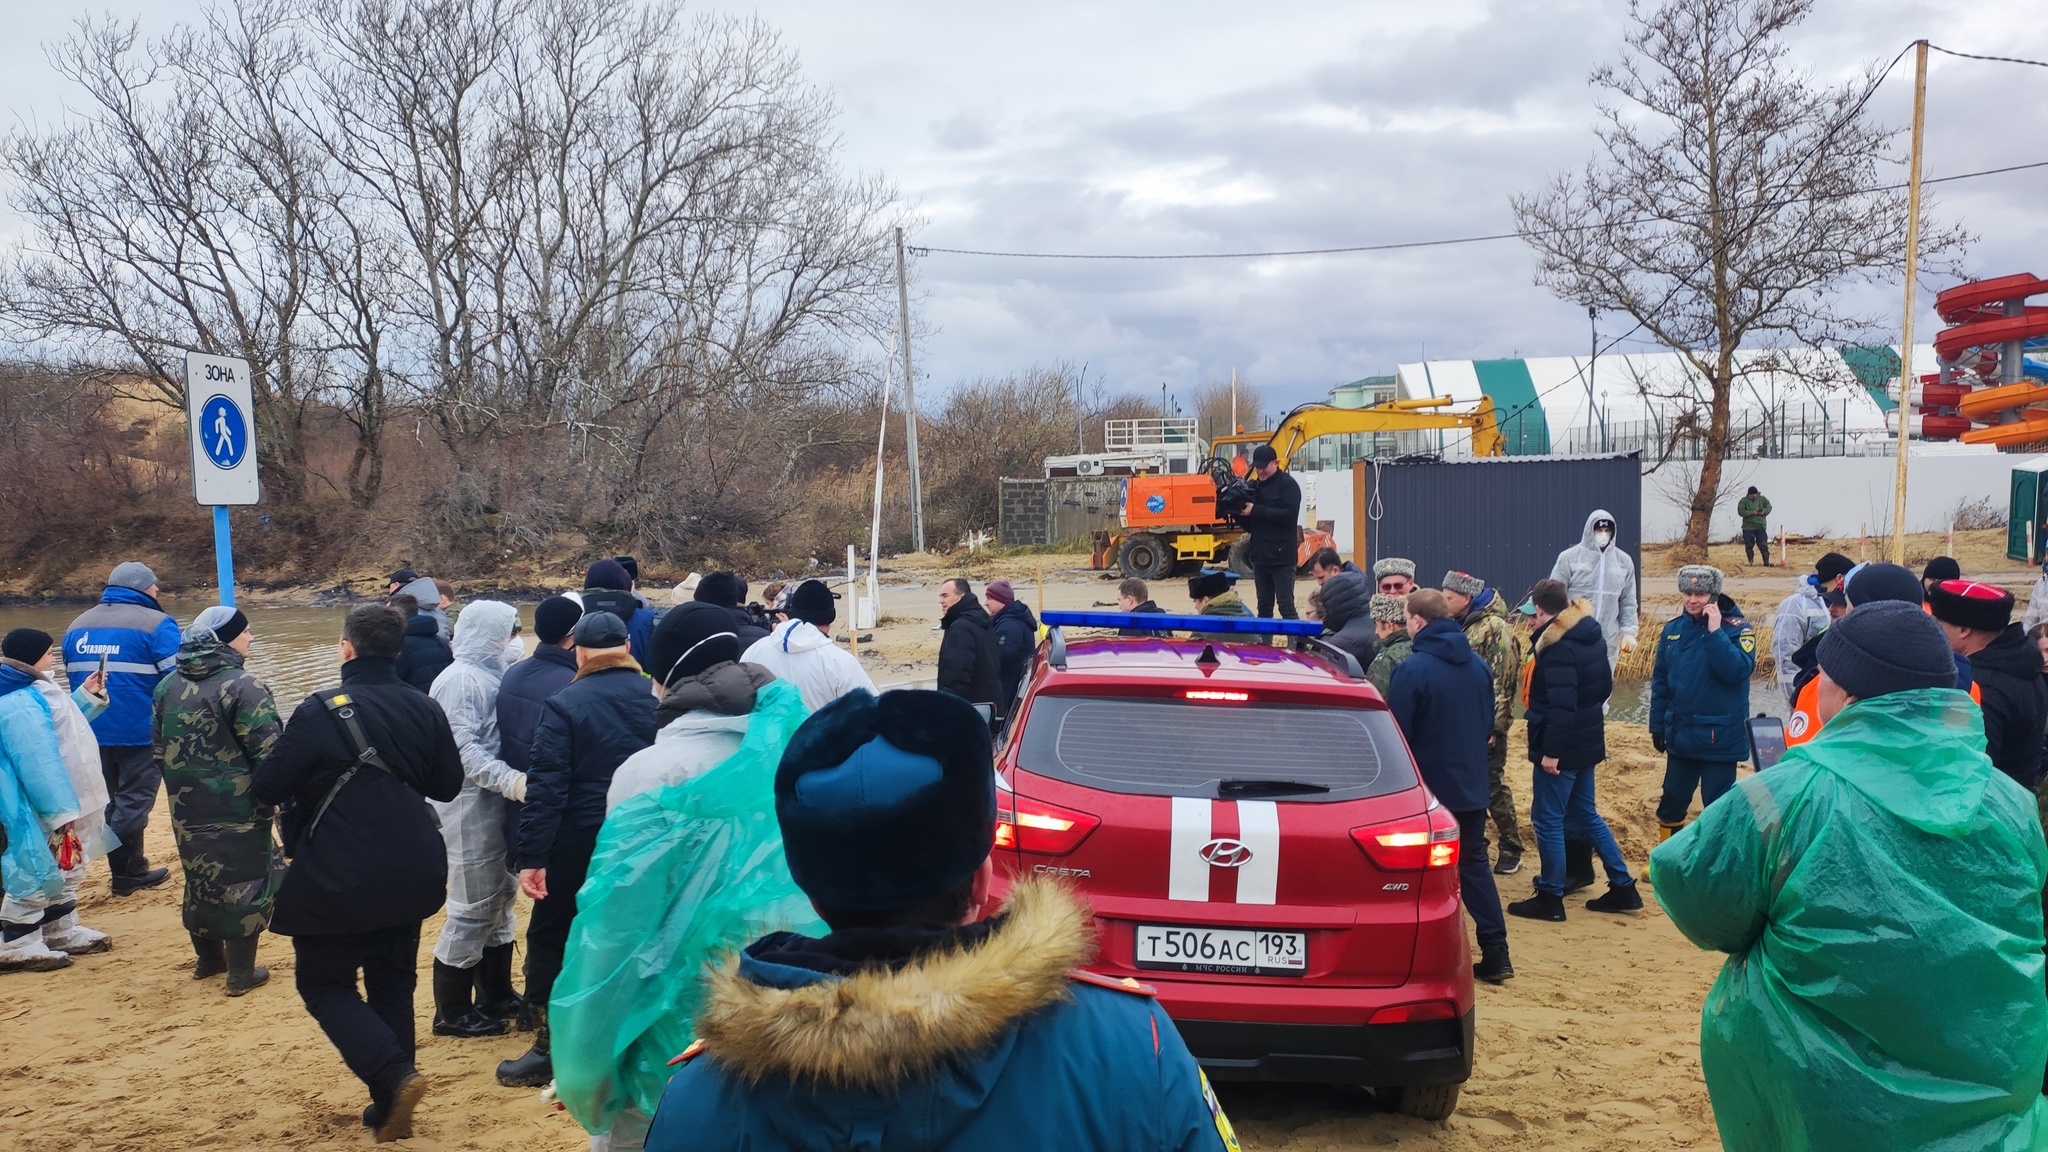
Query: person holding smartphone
point(42, 930)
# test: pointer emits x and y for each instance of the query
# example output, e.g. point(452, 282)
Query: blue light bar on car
point(1161, 622)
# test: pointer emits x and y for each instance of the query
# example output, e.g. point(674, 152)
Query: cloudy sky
point(1206, 126)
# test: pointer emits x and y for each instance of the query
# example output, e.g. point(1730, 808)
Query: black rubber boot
point(495, 996)
point(212, 960)
point(127, 884)
point(1578, 865)
point(243, 972)
point(454, 1015)
point(1493, 966)
point(535, 1069)
point(1624, 898)
point(394, 1113)
point(1541, 906)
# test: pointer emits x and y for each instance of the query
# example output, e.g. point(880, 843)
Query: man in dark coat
point(586, 731)
point(968, 663)
point(1016, 638)
point(358, 766)
point(729, 592)
point(1442, 697)
point(1699, 696)
point(1569, 683)
point(608, 587)
point(1347, 614)
point(424, 655)
point(1134, 597)
point(925, 1018)
point(1273, 518)
point(2005, 668)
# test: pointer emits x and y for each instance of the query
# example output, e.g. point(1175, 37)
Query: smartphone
point(1767, 739)
point(103, 667)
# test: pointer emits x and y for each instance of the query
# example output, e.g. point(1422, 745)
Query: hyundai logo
point(1226, 853)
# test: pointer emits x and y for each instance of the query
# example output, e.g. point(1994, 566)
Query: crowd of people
point(619, 775)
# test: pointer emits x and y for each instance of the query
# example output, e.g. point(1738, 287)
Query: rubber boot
point(535, 1069)
point(1667, 831)
point(495, 996)
point(1578, 865)
point(212, 960)
point(128, 885)
point(454, 1014)
point(1493, 966)
point(394, 1113)
point(1619, 898)
point(1541, 906)
point(243, 972)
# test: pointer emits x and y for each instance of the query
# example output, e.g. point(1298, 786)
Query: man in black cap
point(728, 593)
point(1273, 519)
point(2005, 669)
point(586, 731)
point(801, 651)
point(925, 1017)
point(1877, 893)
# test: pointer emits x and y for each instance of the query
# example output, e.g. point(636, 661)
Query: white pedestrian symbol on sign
point(225, 430)
point(223, 442)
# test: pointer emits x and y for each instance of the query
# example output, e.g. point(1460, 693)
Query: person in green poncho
point(1878, 894)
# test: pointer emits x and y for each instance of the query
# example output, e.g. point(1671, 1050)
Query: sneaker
point(1619, 898)
point(1541, 906)
point(129, 885)
point(29, 954)
point(1508, 866)
point(70, 937)
point(1493, 966)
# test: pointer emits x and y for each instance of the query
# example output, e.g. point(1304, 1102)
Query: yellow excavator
point(1168, 519)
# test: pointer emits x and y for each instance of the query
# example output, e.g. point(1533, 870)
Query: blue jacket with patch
point(989, 1045)
point(1699, 693)
point(140, 643)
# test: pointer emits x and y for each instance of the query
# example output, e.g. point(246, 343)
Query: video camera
point(1233, 494)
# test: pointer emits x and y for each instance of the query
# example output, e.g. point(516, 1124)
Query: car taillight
point(1413, 1013)
point(1217, 695)
point(1039, 828)
point(1412, 845)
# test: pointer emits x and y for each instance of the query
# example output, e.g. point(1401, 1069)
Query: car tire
point(1434, 1102)
point(1241, 556)
point(1145, 556)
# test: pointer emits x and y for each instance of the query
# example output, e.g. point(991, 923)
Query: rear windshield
point(1168, 747)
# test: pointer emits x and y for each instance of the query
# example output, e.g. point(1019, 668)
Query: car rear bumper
point(1374, 1055)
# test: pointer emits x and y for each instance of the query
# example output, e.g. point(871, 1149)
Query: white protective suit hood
point(799, 636)
point(482, 632)
point(1607, 578)
point(428, 594)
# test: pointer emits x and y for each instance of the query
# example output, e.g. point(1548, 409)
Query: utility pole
point(1906, 379)
point(1592, 362)
point(909, 403)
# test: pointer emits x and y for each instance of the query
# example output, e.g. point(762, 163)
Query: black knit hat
point(1875, 582)
point(690, 638)
point(631, 566)
point(26, 645)
point(554, 617)
point(1886, 646)
point(886, 801)
point(1969, 604)
point(1942, 568)
point(1832, 565)
point(721, 588)
point(812, 603)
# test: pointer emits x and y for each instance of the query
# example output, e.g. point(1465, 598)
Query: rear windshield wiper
point(1267, 787)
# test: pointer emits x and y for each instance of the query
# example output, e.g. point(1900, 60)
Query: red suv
point(1250, 829)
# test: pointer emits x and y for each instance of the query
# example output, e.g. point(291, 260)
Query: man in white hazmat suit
point(1599, 570)
point(481, 883)
point(800, 652)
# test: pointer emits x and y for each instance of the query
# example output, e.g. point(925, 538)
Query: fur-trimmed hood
point(1563, 622)
point(605, 661)
point(878, 1028)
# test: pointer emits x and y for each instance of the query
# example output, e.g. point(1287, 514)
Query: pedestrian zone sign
point(220, 410)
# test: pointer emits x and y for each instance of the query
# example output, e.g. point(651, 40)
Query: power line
point(1402, 245)
point(1995, 59)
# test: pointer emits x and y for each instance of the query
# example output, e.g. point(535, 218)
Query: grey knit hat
point(1699, 578)
point(1886, 646)
point(133, 574)
point(1463, 583)
point(1389, 609)
point(1394, 566)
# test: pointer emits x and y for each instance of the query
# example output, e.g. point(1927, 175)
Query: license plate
point(1256, 951)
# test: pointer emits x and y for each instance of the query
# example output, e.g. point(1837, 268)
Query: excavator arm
point(1312, 420)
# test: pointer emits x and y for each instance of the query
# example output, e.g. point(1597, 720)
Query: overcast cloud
point(1201, 125)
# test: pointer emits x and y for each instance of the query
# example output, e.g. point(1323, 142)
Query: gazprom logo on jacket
point(84, 649)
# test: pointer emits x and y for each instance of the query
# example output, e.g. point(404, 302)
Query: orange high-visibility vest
point(1804, 722)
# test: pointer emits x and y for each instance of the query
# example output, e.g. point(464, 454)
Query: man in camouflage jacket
point(1390, 624)
point(213, 724)
point(1493, 637)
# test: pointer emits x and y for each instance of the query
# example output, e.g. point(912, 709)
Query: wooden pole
point(1906, 378)
point(909, 403)
point(1041, 586)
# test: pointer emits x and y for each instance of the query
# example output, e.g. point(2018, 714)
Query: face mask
point(1602, 539)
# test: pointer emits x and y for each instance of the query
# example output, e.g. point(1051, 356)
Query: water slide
point(1990, 329)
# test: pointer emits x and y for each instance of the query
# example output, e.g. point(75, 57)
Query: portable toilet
point(2026, 513)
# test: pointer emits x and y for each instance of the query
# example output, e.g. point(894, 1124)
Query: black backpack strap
point(343, 708)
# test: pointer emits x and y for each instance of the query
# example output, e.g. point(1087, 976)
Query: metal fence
point(1790, 432)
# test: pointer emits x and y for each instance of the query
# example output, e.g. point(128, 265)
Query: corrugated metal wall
point(1503, 520)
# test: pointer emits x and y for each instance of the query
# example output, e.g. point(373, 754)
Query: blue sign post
point(219, 406)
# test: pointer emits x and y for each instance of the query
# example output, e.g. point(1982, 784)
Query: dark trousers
point(375, 1038)
point(1503, 800)
point(1756, 540)
point(1275, 584)
point(1682, 774)
point(1475, 879)
point(133, 775)
point(547, 930)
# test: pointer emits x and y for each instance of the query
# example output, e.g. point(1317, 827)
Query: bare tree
point(1732, 197)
